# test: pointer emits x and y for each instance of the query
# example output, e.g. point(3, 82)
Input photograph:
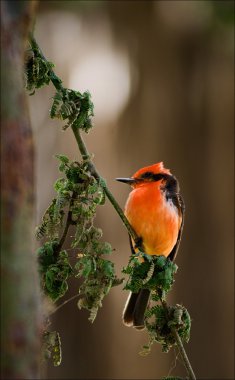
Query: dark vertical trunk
point(19, 287)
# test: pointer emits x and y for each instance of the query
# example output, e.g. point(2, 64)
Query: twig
point(64, 303)
point(68, 223)
point(63, 237)
point(179, 343)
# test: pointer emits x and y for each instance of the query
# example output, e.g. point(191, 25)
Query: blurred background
point(161, 75)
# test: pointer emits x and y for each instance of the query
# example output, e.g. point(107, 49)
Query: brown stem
point(68, 223)
point(64, 303)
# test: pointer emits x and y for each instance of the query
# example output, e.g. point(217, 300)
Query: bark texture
point(20, 286)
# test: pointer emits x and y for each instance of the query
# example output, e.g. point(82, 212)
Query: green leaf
point(46, 255)
point(107, 248)
point(55, 270)
point(59, 184)
point(108, 268)
point(62, 158)
point(84, 266)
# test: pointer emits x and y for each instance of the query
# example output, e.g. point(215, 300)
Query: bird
point(155, 210)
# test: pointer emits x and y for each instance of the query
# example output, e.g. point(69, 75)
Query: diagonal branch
point(85, 154)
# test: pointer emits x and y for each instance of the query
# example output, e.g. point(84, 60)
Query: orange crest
point(155, 169)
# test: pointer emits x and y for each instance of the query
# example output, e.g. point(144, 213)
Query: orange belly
point(154, 219)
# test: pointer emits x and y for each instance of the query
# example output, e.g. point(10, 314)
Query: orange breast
point(154, 219)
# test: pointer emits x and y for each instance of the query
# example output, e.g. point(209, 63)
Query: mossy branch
point(77, 109)
point(83, 150)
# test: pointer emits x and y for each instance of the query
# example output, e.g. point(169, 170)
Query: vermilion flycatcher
point(155, 210)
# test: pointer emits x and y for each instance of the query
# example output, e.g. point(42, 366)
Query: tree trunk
point(21, 321)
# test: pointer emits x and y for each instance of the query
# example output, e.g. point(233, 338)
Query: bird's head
point(152, 173)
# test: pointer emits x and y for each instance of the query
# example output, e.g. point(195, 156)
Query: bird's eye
point(147, 176)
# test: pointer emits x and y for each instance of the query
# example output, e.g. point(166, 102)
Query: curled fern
point(150, 273)
point(74, 107)
point(37, 71)
point(69, 105)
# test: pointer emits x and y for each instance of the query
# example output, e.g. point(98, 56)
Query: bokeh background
point(161, 75)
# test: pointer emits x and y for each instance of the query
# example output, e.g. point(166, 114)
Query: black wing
point(137, 246)
point(131, 245)
point(179, 203)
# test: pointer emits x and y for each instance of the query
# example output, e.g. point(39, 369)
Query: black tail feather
point(140, 307)
point(133, 314)
point(129, 309)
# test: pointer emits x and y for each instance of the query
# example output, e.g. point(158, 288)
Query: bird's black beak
point(129, 181)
